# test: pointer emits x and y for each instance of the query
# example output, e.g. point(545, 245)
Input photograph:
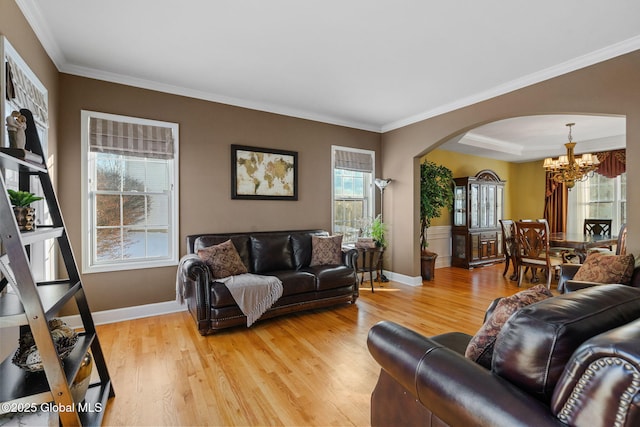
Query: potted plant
point(24, 213)
point(436, 192)
point(377, 230)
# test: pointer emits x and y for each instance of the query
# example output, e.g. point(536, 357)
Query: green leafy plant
point(436, 192)
point(22, 198)
point(377, 231)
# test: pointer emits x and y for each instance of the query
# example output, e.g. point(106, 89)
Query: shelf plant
point(22, 198)
point(24, 213)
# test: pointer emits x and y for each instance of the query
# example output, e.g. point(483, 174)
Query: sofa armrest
point(601, 383)
point(567, 271)
point(196, 278)
point(350, 258)
point(576, 285)
point(450, 386)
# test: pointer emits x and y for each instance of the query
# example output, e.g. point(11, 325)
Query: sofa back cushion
point(537, 341)
point(302, 247)
point(240, 241)
point(271, 252)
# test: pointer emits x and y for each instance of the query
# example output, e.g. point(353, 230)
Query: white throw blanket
point(181, 278)
point(253, 293)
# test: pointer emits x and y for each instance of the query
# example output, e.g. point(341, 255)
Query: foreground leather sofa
point(570, 360)
point(285, 254)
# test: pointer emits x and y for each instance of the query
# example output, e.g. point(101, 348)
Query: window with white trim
point(130, 187)
point(353, 191)
point(598, 197)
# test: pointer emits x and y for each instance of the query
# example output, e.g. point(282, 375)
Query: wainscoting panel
point(439, 239)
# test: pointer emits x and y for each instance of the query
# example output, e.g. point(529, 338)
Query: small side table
point(369, 262)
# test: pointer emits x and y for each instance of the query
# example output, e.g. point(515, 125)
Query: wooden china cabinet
point(477, 211)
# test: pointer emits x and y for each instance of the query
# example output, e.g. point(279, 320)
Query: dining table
point(581, 243)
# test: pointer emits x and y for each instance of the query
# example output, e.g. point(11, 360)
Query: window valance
point(612, 163)
point(130, 139)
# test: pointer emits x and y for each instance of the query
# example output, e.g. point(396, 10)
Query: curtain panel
point(555, 205)
point(130, 139)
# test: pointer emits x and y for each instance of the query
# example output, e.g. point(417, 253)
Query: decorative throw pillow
point(223, 260)
point(326, 250)
point(602, 268)
point(480, 348)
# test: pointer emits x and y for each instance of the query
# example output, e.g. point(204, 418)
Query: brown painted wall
point(16, 29)
point(611, 87)
point(207, 130)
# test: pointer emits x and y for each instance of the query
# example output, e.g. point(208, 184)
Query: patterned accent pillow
point(480, 348)
point(603, 268)
point(223, 260)
point(326, 250)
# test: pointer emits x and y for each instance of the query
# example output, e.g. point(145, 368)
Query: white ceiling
point(373, 65)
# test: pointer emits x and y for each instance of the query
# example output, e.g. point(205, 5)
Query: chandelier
point(569, 169)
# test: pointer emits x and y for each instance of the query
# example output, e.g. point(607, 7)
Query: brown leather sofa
point(285, 254)
point(569, 360)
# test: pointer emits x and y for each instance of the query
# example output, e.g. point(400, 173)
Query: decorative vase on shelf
point(25, 217)
point(81, 382)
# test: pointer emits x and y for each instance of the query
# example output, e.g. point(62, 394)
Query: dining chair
point(601, 227)
point(509, 247)
point(532, 240)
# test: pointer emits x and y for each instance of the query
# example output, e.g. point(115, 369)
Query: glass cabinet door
point(459, 206)
point(474, 203)
point(491, 206)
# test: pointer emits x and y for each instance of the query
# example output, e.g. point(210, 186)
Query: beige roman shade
point(130, 139)
point(353, 160)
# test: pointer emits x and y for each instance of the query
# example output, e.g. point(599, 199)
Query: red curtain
point(555, 205)
point(612, 163)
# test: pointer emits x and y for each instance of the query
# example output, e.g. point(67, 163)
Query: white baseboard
point(404, 279)
point(127, 313)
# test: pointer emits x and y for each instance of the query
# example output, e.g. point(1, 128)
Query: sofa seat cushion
point(537, 341)
point(295, 282)
point(332, 276)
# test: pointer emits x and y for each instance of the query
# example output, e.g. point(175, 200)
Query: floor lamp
point(382, 184)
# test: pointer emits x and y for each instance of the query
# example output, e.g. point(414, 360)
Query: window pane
point(108, 172)
point(133, 210)
point(158, 210)
point(134, 174)
point(135, 243)
point(157, 243)
point(157, 179)
point(107, 210)
point(109, 244)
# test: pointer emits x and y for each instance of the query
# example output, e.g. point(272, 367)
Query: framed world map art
point(263, 174)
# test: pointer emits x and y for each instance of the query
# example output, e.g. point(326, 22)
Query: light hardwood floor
point(311, 368)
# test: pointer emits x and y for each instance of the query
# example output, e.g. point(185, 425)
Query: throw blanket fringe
point(181, 278)
point(253, 293)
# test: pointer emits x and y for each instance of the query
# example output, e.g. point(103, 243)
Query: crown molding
point(208, 96)
point(485, 142)
point(574, 64)
point(33, 16)
point(40, 28)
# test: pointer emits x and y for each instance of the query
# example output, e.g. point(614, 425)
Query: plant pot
point(25, 217)
point(428, 264)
